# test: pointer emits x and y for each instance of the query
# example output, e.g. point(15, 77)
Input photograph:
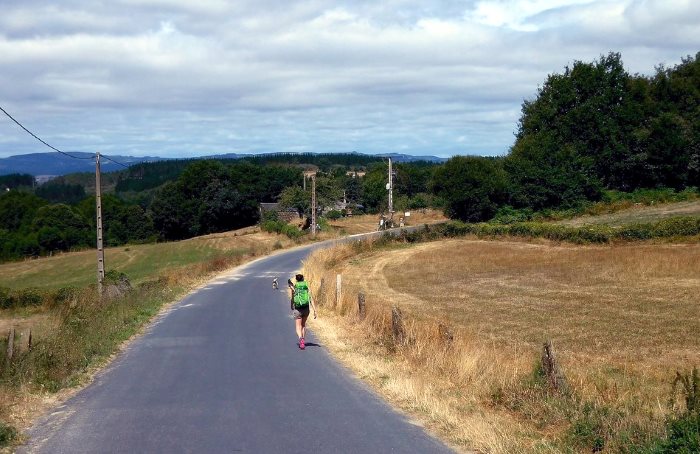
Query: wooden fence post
point(361, 305)
point(321, 297)
point(397, 328)
point(10, 344)
point(551, 368)
point(338, 290)
point(446, 334)
point(29, 341)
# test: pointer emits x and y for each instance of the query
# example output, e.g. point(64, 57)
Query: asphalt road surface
point(220, 372)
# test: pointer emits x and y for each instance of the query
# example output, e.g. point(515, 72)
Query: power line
point(39, 139)
point(112, 160)
point(54, 148)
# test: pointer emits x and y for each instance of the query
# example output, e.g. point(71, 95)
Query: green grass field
point(139, 262)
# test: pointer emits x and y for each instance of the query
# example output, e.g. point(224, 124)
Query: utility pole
point(313, 206)
point(390, 187)
point(100, 249)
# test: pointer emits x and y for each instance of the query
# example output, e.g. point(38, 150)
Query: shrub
point(29, 297)
point(20, 298)
point(6, 299)
point(334, 215)
point(7, 434)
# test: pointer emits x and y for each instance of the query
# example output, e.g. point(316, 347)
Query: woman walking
point(300, 301)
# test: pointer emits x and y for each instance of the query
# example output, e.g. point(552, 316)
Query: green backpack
point(301, 294)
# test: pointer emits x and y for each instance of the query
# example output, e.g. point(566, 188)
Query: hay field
point(368, 222)
point(622, 319)
point(638, 214)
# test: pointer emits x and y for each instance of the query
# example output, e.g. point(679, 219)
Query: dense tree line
point(210, 196)
point(593, 128)
point(16, 180)
point(206, 197)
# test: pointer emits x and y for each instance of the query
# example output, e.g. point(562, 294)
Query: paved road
point(220, 372)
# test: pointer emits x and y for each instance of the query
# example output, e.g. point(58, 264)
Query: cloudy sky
point(183, 78)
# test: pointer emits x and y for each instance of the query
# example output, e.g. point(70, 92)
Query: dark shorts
point(300, 312)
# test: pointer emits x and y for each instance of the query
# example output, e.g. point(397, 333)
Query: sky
point(185, 78)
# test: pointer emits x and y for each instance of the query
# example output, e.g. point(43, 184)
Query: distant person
point(301, 303)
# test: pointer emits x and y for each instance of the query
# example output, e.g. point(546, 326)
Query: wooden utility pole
point(100, 249)
point(313, 206)
point(390, 187)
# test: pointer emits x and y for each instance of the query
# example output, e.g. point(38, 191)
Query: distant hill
point(410, 158)
point(57, 164)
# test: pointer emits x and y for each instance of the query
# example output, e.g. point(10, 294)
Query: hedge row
point(28, 297)
point(278, 226)
point(667, 228)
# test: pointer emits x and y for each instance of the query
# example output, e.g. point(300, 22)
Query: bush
point(510, 215)
point(20, 298)
point(683, 435)
point(7, 434)
point(334, 215)
point(6, 299)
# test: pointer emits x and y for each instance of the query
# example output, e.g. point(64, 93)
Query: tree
point(60, 227)
point(16, 180)
point(544, 175)
point(590, 111)
point(174, 215)
point(374, 192)
point(472, 187)
point(295, 197)
point(17, 209)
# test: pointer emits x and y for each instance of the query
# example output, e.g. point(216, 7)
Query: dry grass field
point(638, 214)
point(622, 320)
point(368, 222)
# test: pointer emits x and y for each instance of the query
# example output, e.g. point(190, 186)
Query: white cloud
point(175, 77)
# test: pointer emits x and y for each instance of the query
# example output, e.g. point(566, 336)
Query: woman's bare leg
point(300, 329)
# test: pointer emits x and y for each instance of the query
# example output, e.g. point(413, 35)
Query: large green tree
point(472, 187)
point(60, 228)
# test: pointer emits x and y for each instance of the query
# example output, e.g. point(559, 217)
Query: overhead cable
point(54, 148)
point(39, 139)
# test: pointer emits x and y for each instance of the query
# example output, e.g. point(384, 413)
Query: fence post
point(361, 305)
point(338, 285)
point(446, 334)
point(551, 368)
point(29, 341)
point(321, 297)
point(10, 344)
point(397, 328)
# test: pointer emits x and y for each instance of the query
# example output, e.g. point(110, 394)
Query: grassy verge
point(622, 319)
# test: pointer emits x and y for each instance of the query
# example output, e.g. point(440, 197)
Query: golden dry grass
point(368, 222)
point(638, 214)
point(622, 318)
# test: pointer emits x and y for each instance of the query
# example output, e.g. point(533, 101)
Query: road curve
point(220, 372)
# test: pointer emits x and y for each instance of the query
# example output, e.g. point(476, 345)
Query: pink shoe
point(301, 344)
